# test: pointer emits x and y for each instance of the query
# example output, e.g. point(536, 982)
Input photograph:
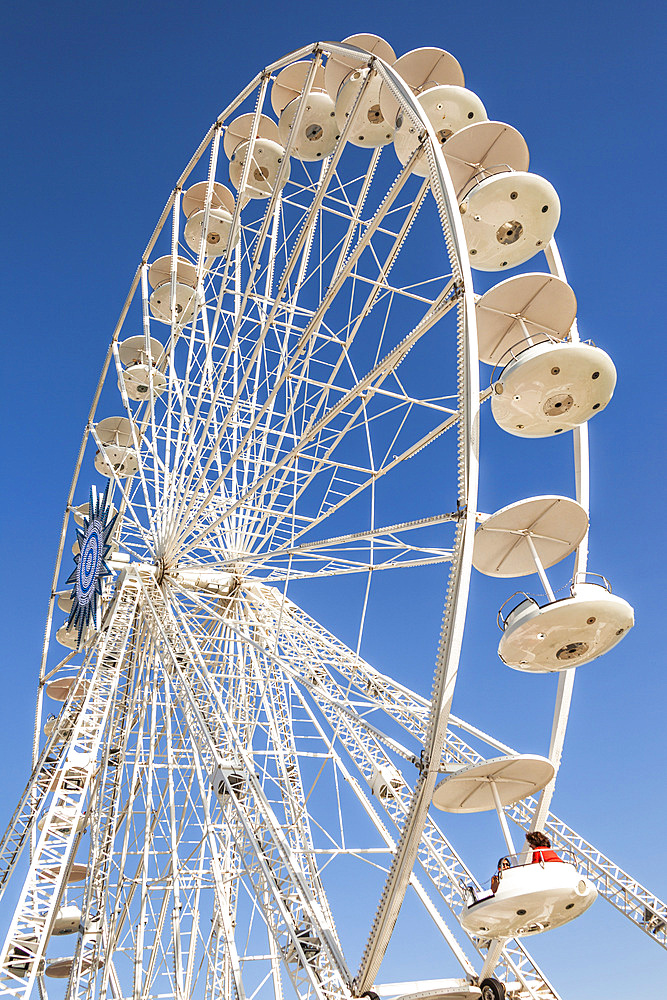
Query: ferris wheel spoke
point(361, 388)
point(313, 325)
point(351, 493)
point(240, 310)
point(288, 413)
point(379, 373)
point(350, 333)
point(124, 489)
point(359, 536)
point(226, 267)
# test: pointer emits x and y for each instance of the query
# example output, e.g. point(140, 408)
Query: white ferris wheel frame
point(434, 724)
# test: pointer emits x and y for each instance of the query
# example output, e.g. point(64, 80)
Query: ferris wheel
point(227, 801)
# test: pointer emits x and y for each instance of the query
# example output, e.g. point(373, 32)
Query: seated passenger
point(541, 847)
point(503, 865)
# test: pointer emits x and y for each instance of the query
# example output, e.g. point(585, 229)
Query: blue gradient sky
point(104, 105)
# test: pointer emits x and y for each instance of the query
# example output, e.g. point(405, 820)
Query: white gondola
point(527, 537)
point(385, 781)
point(115, 435)
point(65, 726)
point(317, 131)
point(436, 79)
point(66, 920)
point(140, 361)
point(220, 216)
point(159, 276)
point(422, 69)
point(448, 109)
point(550, 388)
point(65, 601)
point(64, 818)
point(267, 157)
point(369, 127)
point(343, 79)
point(508, 218)
point(68, 636)
point(77, 873)
point(492, 784)
point(565, 633)
point(530, 899)
point(50, 725)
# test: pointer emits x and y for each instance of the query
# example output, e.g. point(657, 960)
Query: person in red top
point(541, 847)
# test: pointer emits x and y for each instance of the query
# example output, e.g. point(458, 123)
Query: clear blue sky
point(103, 105)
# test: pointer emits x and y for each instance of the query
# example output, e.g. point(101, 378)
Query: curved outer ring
point(469, 396)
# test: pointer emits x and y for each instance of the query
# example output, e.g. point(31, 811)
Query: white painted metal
point(448, 110)
point(236, 779)
point(421, 69)
point(443, 991)
point(340, 65)
point(482, 149)
point(369, 126)
point(318, 133)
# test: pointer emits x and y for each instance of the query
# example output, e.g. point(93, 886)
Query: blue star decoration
point(91, 567)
